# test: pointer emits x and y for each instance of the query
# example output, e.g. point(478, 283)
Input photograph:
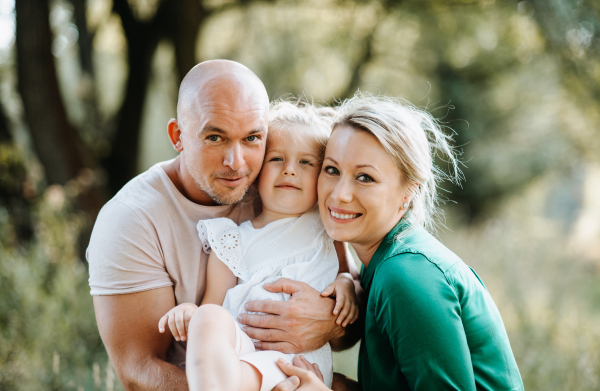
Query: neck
point(366, 251)
point(186, 185)
point(268, 216)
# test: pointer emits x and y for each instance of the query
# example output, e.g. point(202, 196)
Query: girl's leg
point(211, 360)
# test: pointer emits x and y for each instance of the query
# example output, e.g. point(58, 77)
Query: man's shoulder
point(144, 191)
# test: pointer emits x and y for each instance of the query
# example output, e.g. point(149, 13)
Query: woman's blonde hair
point(301, 119)
point(412, 138)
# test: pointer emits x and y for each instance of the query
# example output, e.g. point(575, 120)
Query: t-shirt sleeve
point(417, 309)
point(124, 255)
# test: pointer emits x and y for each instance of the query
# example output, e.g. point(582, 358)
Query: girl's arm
point(219, 279)
point(345, 259)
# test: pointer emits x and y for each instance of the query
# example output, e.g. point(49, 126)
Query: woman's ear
point(409, 194)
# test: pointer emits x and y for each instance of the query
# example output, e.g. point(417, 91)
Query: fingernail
point(244, 329)
point(281, 360)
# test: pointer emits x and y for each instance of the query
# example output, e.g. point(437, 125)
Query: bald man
point(145, 256)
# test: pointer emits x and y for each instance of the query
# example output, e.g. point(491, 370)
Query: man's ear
point(175, 134)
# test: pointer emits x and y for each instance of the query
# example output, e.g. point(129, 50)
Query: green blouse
point(430, 322)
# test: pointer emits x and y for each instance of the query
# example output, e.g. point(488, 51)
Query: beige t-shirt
point(146, 238)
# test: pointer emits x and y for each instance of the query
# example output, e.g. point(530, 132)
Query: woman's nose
point(342, 192)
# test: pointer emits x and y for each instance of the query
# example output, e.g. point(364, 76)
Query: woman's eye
point(214, 138)
point(365, 178)
point(332, 170)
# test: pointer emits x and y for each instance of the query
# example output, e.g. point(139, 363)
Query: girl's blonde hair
point(301, 119)
point(412, 138)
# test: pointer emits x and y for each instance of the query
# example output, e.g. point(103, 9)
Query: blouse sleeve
point(417, 309)
point(222, 235)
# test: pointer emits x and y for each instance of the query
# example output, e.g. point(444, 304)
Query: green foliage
point(48, 334)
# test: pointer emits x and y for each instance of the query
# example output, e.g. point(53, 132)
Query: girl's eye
point(214, 137)
point(365, 178)
point(305, 162)
point(332, 170)
point(252, 138)
point(276, 159)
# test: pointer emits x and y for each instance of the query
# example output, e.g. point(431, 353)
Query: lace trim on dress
point(223, 236)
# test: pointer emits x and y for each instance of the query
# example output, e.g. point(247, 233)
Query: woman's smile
point(342, 216)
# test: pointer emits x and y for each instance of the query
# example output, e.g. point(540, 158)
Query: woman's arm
point(219, 279)
point(419, 312)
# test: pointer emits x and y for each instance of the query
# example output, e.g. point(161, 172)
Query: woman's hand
point(303, 376)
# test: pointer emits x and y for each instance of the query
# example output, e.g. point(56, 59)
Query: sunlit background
point(87, 88)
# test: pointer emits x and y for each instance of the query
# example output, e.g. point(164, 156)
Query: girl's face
point(288, 180)
point(360, 188)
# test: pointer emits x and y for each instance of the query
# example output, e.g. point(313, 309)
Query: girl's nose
point(289, 170)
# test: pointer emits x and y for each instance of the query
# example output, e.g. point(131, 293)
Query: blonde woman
point(430, 323)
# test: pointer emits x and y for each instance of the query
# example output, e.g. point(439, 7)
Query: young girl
point(286, 240)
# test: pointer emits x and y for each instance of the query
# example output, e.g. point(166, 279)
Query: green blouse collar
point(382, 250)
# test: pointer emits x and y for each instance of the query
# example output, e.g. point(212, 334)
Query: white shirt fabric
point(297, 248)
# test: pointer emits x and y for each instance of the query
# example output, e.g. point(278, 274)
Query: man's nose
point(234, 157)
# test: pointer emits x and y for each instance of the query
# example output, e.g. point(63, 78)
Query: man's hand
point(303, 323)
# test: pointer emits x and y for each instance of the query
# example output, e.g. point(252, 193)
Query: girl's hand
point(303, 376)
point(178, 319)
point(346, 304)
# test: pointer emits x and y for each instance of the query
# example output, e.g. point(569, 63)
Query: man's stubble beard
point(217, 197)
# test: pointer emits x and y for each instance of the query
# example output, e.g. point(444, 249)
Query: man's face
point(224, 142)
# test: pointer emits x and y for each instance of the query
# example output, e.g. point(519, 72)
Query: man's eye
point(365, 178)
point(214, 138)
point(252, 138)
point(332, 170)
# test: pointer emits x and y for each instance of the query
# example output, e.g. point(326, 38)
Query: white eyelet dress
point(297, 248)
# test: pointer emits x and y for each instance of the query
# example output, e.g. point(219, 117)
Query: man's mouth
point(343, 215)
point(232, 182)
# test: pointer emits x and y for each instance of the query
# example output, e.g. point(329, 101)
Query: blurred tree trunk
point(175, 19)
point(57, 144)
point(13, 175)
point(189, 17)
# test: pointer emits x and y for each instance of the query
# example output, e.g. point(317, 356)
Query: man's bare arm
point(128, 326)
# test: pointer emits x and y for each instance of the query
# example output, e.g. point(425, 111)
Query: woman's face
point(360, 188)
